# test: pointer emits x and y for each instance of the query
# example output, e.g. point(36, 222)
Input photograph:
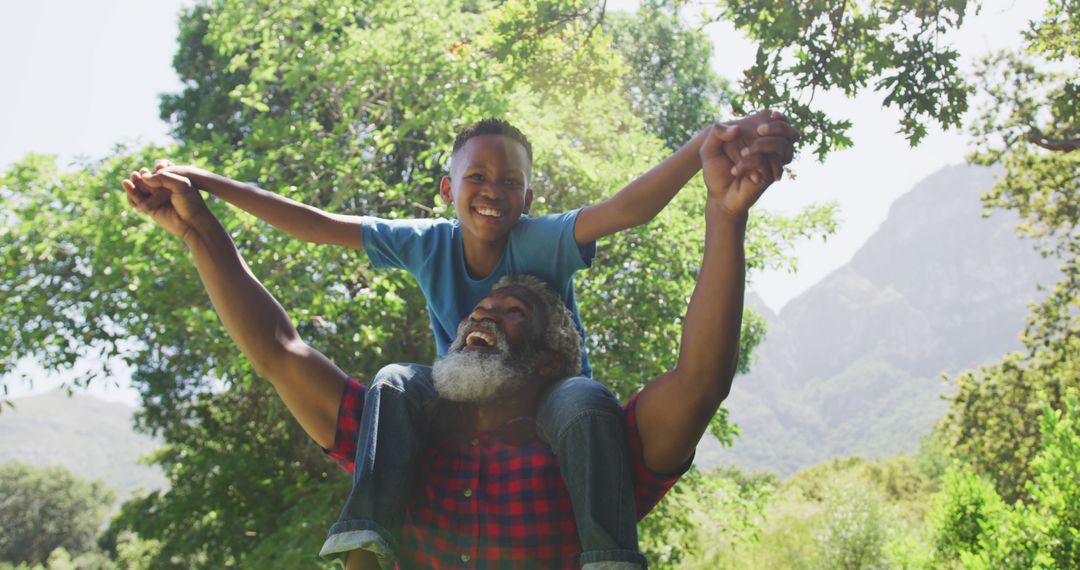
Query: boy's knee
point(572, 398)
point(404, 378)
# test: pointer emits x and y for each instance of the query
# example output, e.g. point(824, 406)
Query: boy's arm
point(307, 382)
point(299, 220)
point(674, 409)
point(644, 198)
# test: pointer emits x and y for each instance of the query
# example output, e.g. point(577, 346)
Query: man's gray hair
point(560, 334)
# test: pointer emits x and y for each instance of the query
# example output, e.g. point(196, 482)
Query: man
point(665, 420)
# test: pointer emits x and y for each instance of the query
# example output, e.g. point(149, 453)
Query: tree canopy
point(45, 508)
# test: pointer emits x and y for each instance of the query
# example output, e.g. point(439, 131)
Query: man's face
point(489, 186)
point(497, 351)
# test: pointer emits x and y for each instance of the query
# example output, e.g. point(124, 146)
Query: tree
point(671, 84)
point(1028, 123)
point(45, 508)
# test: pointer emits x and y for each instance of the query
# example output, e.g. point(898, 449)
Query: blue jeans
point(578, 418)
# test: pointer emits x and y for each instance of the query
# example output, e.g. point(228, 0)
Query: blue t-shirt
point(433, 252)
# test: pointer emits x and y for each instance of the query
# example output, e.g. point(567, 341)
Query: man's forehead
point(518, 292)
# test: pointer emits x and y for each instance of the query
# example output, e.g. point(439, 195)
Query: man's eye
point(517, 310)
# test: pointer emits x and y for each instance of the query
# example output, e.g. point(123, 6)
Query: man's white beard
point(482, 377)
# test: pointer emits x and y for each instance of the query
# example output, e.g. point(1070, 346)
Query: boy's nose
point(491, 190)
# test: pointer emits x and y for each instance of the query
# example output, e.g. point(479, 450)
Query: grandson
point(455, 263)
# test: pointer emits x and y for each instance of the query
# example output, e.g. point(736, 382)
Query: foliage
point(893, 47)
point(702, 519)
point(854, 531)
point(1028, 123)
point(975, 527)
point(671, 85)
point(844, 513)
point(45, 508)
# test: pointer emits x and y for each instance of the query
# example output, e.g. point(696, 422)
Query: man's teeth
point(483, 211)
point(479, 337)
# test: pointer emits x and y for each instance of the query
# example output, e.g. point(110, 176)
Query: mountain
point(852, 366)
point(91, 437)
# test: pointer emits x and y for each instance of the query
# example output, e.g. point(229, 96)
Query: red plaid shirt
point(494, 499)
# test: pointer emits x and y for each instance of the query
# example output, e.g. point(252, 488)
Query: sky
point(81, 77)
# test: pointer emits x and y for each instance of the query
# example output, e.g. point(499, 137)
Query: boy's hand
point(735, 187)
point(168, 198)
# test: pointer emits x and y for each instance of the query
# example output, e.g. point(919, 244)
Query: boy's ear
point(528, 201)
point(444, 190)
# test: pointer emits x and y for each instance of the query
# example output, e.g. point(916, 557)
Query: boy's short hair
point(493, 126)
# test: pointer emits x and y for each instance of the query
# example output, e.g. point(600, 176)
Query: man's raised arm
point(308, 383)
point(674, 409)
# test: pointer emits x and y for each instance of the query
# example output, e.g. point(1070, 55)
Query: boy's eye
point(476, 177)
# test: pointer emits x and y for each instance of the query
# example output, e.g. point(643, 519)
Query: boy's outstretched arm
point(308, 383)
point(301, 221)
point(674, 409)
point(642, 199)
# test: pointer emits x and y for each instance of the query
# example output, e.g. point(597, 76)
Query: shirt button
point(474, 442)
point(465, 558)
point(467, 492)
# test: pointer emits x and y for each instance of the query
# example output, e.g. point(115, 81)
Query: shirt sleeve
point(348, 425)
point(551, 238)
point(649, 486)
point(398, 244)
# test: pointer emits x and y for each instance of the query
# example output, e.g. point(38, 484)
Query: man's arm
point(308, 383)
point(674, 409)
point(643, 198)
point(301, 221)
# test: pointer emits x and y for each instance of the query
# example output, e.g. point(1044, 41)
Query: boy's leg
point(583, 423)
point(392, 433)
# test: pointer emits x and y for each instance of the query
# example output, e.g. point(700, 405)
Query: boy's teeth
point(489, 212)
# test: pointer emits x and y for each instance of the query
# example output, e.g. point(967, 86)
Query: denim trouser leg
point(583, 423)
point(392, 433)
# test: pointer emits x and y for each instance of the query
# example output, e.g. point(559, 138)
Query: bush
point(974, 526)
point(855, 530)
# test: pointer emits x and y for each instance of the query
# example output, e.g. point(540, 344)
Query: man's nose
point(485, 312)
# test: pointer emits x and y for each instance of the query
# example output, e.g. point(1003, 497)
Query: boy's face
point(488, 186)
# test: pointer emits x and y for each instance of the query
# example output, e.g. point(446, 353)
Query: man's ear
point(551, 365)
point(445, 190)
point(528, 201)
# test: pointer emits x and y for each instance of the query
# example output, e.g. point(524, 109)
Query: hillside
point(852, 365)
point(91, 437)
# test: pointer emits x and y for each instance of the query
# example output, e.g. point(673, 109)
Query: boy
point(456, 262)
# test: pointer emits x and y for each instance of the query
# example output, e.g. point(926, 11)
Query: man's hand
point(766, 132)
point(734, 187)
point(168, 198)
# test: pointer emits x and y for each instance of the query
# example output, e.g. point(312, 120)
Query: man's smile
point(480, 340)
